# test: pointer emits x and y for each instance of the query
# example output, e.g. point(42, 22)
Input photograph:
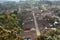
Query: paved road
point(36, 24)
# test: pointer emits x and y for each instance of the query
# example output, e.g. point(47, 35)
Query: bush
point(9, 34)
point(49, 35)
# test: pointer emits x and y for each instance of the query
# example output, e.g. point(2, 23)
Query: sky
point(8, 0)
point(18, 0)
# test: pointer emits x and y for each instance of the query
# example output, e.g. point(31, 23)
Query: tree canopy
point(9, 27)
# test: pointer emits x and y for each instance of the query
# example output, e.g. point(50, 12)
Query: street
point(36, 25)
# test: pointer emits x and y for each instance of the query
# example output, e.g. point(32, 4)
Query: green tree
point(9, 21)
point(10, 28)
point(9, 34)
point(49, 35)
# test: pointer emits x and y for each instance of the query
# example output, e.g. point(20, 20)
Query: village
point(34, 18)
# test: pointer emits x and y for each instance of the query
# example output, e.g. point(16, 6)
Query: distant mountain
point(50, 2)
point(2, 1)
point(56, 2)
point(8, 0)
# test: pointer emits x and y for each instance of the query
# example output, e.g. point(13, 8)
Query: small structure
point(27, 38)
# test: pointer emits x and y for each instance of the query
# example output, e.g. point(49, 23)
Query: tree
point(49, 35)
point(9, 22)
point(10, 28)
point(9, 34)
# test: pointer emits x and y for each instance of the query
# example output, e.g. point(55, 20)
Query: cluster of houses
point(29, 25)
point(29, 30)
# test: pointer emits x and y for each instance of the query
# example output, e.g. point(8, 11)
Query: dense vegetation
point(9, 27)
point(49, 34)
